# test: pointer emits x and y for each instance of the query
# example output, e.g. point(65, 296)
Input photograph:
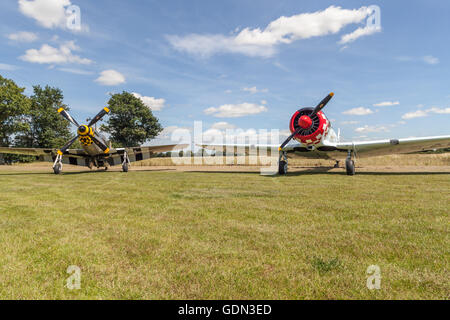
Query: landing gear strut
point(350, 164)
point(336, 165)
point(126, 162)
point(283, 164)
point(57, 165)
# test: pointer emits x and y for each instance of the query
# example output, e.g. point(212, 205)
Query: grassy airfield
point(166, 234)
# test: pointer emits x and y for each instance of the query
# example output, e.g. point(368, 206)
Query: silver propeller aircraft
point(96, 150)
point(316, 139)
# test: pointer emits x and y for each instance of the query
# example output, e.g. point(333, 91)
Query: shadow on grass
point(77, 172)
point(326, 170)
point(307, 171)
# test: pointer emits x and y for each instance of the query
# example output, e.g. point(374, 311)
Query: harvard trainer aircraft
point(316, 139)
point(96, 150)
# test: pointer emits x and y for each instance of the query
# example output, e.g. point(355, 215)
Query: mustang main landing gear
point(57, 165)
point(126, 162)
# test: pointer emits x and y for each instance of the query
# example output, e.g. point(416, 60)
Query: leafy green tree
point(130, 123)
point(46, 128)
point(13, 107)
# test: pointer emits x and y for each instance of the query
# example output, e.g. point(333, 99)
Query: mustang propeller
point(84, 130)
point(306, 120)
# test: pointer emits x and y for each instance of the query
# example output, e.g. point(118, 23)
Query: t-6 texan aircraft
point(95, 152)
point(316, 139)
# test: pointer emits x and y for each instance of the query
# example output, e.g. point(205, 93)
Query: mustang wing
point(395, 146)
point(75, 157)
point(27, 151)
point(141, 153)
point(38, 152)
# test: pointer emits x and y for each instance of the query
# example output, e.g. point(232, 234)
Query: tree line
point(33, 121)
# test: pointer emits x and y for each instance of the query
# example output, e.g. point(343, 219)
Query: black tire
point(282, 168)
point(57, 168)
point(125, 167)
point(350, 167)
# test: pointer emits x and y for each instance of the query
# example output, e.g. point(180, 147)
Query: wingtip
point(331, 94)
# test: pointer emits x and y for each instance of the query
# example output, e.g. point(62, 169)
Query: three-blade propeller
point(83, 129)
point(317, 109)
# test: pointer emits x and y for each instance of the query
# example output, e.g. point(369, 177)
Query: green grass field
point(197, 235)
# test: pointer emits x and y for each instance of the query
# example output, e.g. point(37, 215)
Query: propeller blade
point(100, 143)
point(322, 104)
point(66, 115)
point(289, 139)
point(67, 145)
point(99, 116)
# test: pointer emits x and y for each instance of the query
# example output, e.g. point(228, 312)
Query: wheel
point(282, 167)
point(350, 167)
point(125, 167)
point(57, 168)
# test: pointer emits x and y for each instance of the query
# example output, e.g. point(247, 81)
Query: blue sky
point(239, 64)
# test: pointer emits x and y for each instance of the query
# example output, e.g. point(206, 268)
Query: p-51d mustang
point(316, 139)
point(95, 152)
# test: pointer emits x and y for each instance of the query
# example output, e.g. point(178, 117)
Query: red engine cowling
point(313, 129)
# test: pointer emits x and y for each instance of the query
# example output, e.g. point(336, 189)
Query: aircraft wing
point(242, 148)
point(27, 151)
point(141, 153)
point(75, 157)
point(395, 146)
point(39, 152)
point(333, 151)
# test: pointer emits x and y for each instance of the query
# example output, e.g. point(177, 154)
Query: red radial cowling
point(321, 128)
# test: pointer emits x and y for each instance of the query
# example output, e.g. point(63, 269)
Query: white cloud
point(110, 78)
point(361, 111)
point(439, 111)
point(427, 59)
point(228, 91)
point(415, 114)
point(424, 113)
point(76, 71)
point(387, 104)
point(430, 60)
point(222, 126)
point(7, 67)
point(48, 13)
point(151, 102)
point(23, 36)
point(52, 55)
point(263, 102)
point(254, 90)
point(284, 30)
point(360, 32)
point(367, 129)
point(348, 122)
point(235, 110)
